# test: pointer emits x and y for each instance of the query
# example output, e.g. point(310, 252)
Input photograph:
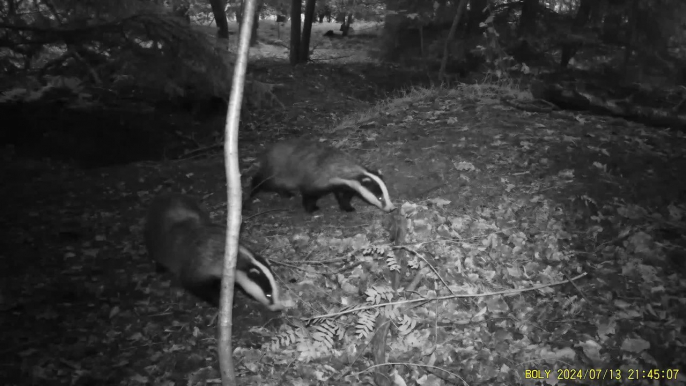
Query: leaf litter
point(494, 199)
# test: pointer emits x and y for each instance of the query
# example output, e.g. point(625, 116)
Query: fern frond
point(406, 324)
point(376, 294)
point(365, 324)
point(392, 263)
point(312, 349)
point(285, 338)
point(391, 312)
point(323, 336)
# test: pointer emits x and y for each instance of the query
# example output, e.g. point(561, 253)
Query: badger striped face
point(374, 185)
point(256, 278)
point(371, 187)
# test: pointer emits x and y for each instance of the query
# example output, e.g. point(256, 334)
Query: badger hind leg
point(256, 184)
point(260, 183)
point(310, 202)
point(201, 276)
point(207, 289)
point(343, 196)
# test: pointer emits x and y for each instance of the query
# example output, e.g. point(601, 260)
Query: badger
point(316, 170)
point(181, 239)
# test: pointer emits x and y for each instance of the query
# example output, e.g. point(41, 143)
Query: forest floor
point(494, 199)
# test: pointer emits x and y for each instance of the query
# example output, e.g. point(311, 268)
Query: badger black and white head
point(253, 276)
point(181, 238)
point(317, 170)
point(256, 279)
point(367, 184)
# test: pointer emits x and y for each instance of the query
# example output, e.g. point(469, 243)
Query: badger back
point(171, 219)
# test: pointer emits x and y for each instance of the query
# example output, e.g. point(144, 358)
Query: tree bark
point(569, 48)
point(451, 36)
point(527, 22)
point(296, 10)
point(255, 24)
point(307, 31)
point(234, 196)
point(219, 11)
point(476, 16)
point(347, 21)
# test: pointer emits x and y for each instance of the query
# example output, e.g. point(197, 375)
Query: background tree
point(570, 46)
point(219, 11)
point(181, 8)
point(307, 31)
point(296, 11)
point(323, 11)
point(527, 21)
point(534, 32)
point(451, 34)
point(256, 19)
point(477, 14)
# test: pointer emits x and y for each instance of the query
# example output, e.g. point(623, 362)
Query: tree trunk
point(255, 24)
point(394, 21)
point(347, 21)
point(569, 48)
point(476, 16)
point(233, 215)
point(296, 10)
point(451, 36)
point(527, 22)
point(219, 11)
point(307, 31)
